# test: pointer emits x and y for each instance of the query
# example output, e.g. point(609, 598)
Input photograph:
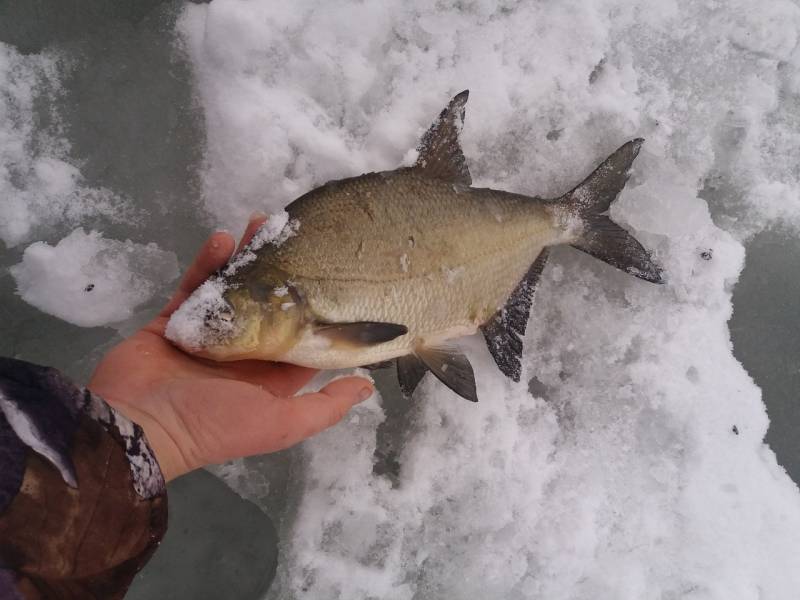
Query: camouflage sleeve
point(83, 503)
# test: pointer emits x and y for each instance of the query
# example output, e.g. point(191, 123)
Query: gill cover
point(263, 321)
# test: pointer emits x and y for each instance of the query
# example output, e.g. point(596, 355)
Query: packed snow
point(90, 280)
point(187, 326)
point(632, 464)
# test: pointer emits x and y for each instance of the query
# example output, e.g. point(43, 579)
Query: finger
point(308, 414)
point(257, 219)
point(256, 423)
point(280, 379)
point(214, 253)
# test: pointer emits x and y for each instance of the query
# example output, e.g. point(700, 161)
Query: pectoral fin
point(452, 368)
point(410, 371)
point(362, 333)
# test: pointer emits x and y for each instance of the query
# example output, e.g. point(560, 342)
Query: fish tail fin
point(602, 237)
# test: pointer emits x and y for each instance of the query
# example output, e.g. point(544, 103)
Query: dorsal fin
point(504, 331)
point(440, 154)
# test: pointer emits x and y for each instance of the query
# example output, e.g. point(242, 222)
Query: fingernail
point(257, 215)
point(365, 393)
point(215, 238)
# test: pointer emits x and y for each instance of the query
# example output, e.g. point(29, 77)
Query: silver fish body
point(397, 247)
point(394, 265)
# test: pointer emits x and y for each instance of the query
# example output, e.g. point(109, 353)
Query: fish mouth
point(219, 318)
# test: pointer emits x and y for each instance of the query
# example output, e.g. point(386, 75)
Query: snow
point(85, 278)
point(637, 467)
point(275, 230)
point(187, 325)
point(90, 280)
point(39, 189)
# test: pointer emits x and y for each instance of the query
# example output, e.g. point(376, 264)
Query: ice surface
point(90, 280)
point(636, 467)
point(39, 188)
point(85, 279)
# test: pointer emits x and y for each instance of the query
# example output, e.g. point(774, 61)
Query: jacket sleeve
point(83, 503)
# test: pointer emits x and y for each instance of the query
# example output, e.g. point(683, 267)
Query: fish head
point(228, 321)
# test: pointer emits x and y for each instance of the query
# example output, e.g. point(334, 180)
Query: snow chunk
point(405, 262)
point(188, 325)
point(276, 230)
point(89, 280)
point(451, 275)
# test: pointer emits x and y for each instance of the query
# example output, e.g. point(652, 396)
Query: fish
point(397, 265)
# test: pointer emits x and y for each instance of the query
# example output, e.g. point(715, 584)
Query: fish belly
point(434, 309)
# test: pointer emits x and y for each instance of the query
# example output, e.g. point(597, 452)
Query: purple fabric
point(12, 465)
point(48, 399)
point(50, 405)
point(8, 589)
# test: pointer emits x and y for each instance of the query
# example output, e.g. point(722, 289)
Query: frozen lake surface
point(644, 455)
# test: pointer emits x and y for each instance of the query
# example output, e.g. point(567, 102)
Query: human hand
point(197, 412)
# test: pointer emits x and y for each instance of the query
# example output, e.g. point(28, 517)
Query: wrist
point(167, 452)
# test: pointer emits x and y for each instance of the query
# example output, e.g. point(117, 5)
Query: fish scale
point(470, 247)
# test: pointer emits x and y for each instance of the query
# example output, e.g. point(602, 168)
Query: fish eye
point(259, 291)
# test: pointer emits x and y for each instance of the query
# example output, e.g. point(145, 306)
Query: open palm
point(197, 412)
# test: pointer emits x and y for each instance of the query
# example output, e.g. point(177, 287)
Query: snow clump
point(89, 280)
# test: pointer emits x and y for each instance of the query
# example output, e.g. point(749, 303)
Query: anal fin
point(504, 331)
point(450, 367)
